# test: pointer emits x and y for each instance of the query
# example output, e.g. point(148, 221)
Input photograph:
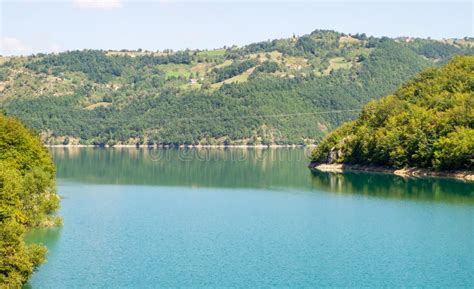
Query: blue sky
point(50, 26)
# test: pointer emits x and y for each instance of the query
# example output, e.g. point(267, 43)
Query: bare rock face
point(333, 155)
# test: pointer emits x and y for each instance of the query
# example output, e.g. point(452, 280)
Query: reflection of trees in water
point(213, 167)
point(242, 168)
point(392, 186)
point(46, 236)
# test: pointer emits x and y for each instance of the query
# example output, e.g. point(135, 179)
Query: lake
point(252, 218)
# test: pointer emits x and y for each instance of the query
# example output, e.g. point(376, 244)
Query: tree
point(427, 123)
point(27, 199)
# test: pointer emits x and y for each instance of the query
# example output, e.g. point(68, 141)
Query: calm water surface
point(139, 218)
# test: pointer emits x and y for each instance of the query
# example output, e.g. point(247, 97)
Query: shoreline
point(179, 146)
point(405, 172)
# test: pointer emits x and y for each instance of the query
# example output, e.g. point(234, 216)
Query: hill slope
point(427, 123)
point(276, 91)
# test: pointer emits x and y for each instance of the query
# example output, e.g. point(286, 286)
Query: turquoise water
point(250, 218)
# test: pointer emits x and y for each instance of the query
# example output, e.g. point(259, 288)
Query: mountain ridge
point(114, 97)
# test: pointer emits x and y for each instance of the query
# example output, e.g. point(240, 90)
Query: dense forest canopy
point(283, 91)
point(27, 199)
point(427, 123)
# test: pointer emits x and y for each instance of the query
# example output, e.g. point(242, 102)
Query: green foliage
point(435, 50)
point(130, 97)
point(98, 66)
point(27, 198)
point(318, 41)
point(456, 150)
point(428, 123)
point(232, 70)
point(268, 67)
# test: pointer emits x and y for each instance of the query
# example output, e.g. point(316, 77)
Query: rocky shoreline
point(410, 172)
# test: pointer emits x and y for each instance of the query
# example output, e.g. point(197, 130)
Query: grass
point(96, 105)
point(348, 39)
point(275, 56)
point(360, 51)
point(212, 53)
point(237, 79)
point(133, 53)
point(223, 64)
point(338, 63)
point(295, 61)
point(201, 68)
point(23, 82)
point(176, 70)
point(188, 87)
point(184, 70)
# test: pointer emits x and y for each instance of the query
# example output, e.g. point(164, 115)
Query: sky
point(28, 27)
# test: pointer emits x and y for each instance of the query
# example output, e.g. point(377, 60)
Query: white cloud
point(98, 4)
point(13, 46)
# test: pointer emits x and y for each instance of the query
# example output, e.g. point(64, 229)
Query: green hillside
point(427, 123)
point(284, 91)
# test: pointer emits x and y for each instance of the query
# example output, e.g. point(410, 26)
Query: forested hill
point(285, 91)
point(428, 123)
